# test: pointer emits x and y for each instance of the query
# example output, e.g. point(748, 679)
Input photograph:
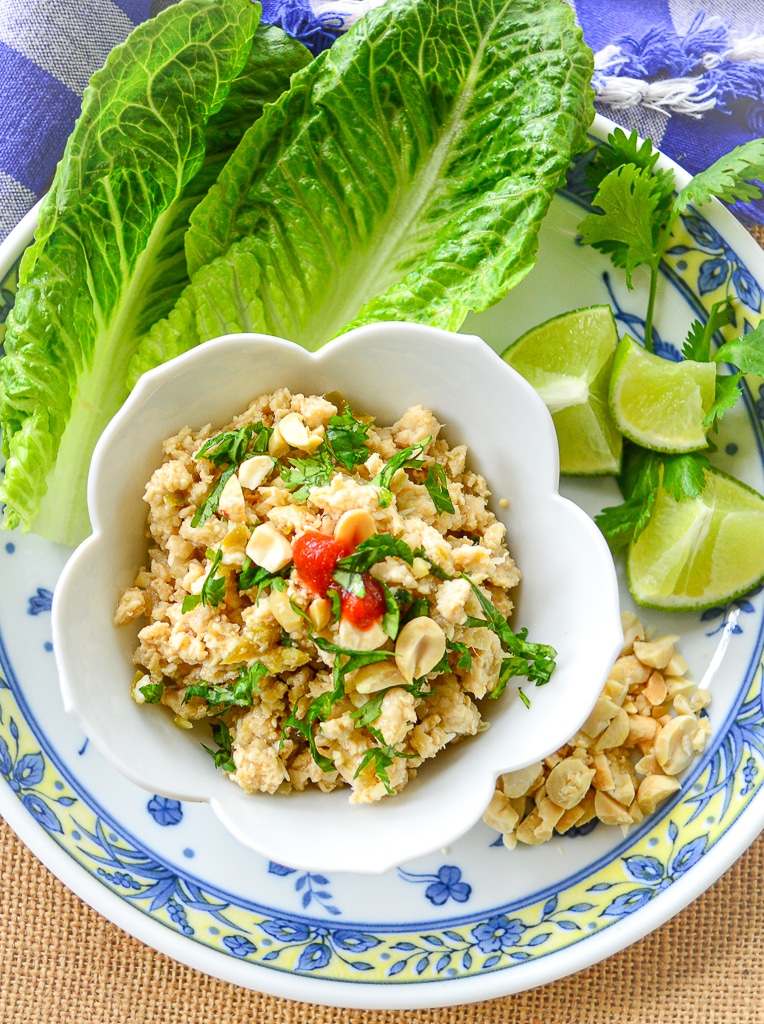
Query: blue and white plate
point(476, 920)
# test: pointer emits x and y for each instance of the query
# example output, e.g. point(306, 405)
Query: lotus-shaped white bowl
point(568, 597)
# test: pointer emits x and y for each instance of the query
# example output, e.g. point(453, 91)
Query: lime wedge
point(660, 404)
point(699, 553)
point(568, 360)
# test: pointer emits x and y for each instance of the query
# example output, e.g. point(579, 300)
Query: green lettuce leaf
point(157, 123)
point(404, 175)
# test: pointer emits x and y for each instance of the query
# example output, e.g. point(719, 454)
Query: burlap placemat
point(62, 963)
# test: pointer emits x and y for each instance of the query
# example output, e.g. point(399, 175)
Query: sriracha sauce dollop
point(315, 556)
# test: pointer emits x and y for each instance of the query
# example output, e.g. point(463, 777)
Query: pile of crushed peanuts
point(644, 730)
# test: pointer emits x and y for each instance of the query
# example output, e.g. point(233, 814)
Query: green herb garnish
point(346, 440)
point(223, 756)
point(229, 449)
point(320, 707)
point(437, 488)
point(350, 569)
point(406, 458)
point(302, 475)
point(638, 209)
point(254, 576)
point(465, 654)
point(240, 695)
point(643, 473)
point(152, 692)
point(234, 446)
point(536, 661)
point(213, 589)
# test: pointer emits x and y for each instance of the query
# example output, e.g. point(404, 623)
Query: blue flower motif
point(314, 956)
point(712, 275)
point(286, 931)
point(239, 945)
point(40, 811)
point(165, 811)
point(746, 288)
point(23, 773)
point(41, 602)
point(446, 884)
point(703, 234)
point(498, 933)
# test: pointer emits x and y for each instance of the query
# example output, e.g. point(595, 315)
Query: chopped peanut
point(643, 731)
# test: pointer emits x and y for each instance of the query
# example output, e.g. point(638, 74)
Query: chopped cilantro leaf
point(391, 619)
point(234, 446)
point(536, 661)
point(210, 504)
point(370, 711)
point(382, 759)
point(252, 576)
point(240, 695)
point(228, 449)
point(213, 589)
point(304, 474)
point(435, 569)
point(346, 440)
point(437, 488)
point(406, 458)
point(465, 655)
point(152, 692)
point(223, 756)
point(350, 569)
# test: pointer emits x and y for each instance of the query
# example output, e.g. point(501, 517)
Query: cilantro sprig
point(636, 208)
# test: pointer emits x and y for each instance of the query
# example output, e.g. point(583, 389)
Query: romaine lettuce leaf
point(158, 122)
point(403, 176)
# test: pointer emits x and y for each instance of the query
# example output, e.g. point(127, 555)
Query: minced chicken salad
point(331, 594)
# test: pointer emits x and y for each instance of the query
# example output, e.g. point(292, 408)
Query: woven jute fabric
point(62, 963)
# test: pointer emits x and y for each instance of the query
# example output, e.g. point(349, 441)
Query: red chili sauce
point(315, 556)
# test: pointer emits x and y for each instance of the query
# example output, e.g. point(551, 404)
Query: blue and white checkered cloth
point(687, 73)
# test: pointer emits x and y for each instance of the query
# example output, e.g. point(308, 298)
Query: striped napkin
point(687, 73)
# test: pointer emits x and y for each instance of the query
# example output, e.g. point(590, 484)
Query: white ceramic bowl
point(568, 597)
